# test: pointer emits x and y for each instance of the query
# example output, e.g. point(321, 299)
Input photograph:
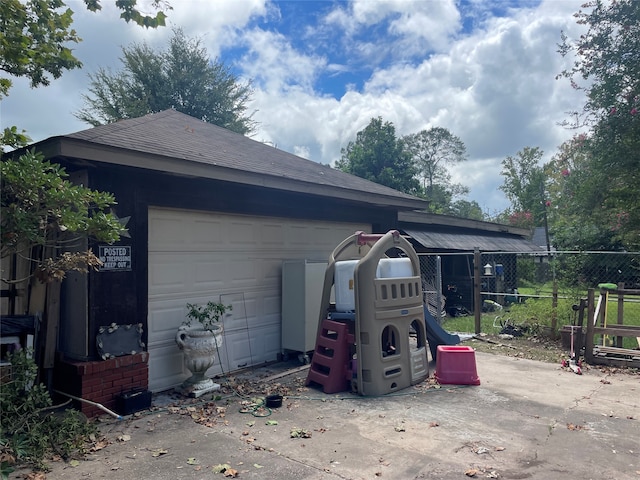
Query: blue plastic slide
point(436, 335)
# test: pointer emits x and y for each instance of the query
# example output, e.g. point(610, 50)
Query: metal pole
point(440, 301)
point(477, 298)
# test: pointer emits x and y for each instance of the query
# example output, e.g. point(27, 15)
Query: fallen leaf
point(472, 472)
point(99, 445)
point(159, 452)
point(499, 449)
point(230, 472)
point(192, 461)
point(399, 428)
point(299, 433)
point(124, 438)
point(571, 426)
point(220, 468)
point(36, 476)
point(74, 463)
point(271, 422)
point(256, 465)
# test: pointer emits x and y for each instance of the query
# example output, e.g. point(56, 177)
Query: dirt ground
point(532, 347)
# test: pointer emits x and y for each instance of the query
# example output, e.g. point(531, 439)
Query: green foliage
point(131, 13)
point(181, 77)
point(30, 430)
point(607, 62)
point(377, 155)
point(466, 209)
point(432, 151)
point(207, 315)
point(34, 34)
point(524, 183)
point(40, 207)
point(537, 313)
point(32, 41)
point(11, 137)
point(526, 269)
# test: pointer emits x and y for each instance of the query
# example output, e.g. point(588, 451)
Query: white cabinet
point(302, 283)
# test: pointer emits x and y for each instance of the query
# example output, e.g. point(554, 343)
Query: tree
point(34, 34)
point(523, 183)
point(41, 208)
point(130, 12)
point(379, 156)
point(441, 196)
point(432, 151)
point(575, 195)
point(32, 41)
point(467, 209)
point(181, 77)
point(608, 58)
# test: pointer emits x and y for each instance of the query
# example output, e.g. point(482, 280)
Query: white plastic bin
point(394, 268)
point(343, 285)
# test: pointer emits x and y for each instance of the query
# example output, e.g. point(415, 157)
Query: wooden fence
point(610, 330)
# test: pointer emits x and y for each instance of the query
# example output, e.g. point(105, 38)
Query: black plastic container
point(273, 401)
point(133, 401)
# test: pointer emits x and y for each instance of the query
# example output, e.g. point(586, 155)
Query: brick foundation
point(101, 381)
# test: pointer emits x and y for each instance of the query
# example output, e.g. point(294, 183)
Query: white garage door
point(195, 257)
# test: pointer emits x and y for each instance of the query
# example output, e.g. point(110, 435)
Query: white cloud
point(274, 64)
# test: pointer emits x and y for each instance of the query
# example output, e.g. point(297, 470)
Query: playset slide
point(436, 335)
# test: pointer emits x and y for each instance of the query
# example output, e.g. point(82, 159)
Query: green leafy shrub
point(31, 429)
point(537, 313)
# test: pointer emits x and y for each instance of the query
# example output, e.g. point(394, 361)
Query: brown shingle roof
point(177, 136)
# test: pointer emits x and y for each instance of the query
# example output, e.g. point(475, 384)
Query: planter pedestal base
point(197, 389)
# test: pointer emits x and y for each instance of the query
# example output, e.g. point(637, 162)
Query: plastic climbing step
point(330, 363)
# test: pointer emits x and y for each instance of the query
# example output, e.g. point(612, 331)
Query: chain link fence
point(538, 291)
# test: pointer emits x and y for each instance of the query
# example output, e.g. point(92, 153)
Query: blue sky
point(321, 70)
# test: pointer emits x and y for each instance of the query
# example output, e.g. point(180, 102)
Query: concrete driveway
point(526, 420)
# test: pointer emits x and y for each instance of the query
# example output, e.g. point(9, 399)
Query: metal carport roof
point(471, 241)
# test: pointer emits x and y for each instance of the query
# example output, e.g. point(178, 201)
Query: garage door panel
point(253, 346)
point(195, 257)
point(172, 232)
point(208, 273)
point(166, 274)
point(271, 271)
point(242, 312)
point(272, 234)
point(206, 233)
point(166, 368)
point(242, 233)
point(241, 271)
point(164, 321)
point(238, 350)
